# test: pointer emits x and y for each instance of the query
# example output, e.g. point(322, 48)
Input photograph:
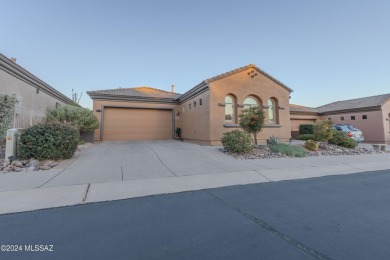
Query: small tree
point(252, 121)
point(82, 118)
point(323, 131)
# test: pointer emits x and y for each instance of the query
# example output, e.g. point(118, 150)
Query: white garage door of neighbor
point(127, 124)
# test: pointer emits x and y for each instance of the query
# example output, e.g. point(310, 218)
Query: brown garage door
point(125, 124)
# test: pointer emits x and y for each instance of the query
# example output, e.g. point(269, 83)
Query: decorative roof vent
point(13, 59)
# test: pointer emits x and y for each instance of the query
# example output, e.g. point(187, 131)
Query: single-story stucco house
point(33, 96)
point(212, 107)
point(203, 113)
point(369, 114)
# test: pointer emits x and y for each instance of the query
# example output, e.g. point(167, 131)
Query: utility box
point(10, 144)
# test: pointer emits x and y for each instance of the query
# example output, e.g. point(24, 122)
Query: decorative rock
point(18, 169)
point(25, 162)
point(17, 163)
point(30, 169)
point(45, 167)
point(53, 164)
point(34, 163)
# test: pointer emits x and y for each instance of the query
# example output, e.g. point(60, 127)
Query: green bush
point(323, 131)
point(341, 139)
point(48, 141)
point(7, 109)
point(289, 150)
point(82, 118)
point(306, 129)
point(305, 137)
point(237, 141)
point(311, 145)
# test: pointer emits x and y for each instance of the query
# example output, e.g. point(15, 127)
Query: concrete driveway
point(124, 161)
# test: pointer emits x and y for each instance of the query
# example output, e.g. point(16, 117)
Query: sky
point(324, 50)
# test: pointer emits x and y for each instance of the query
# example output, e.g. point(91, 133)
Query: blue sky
point(324, 50)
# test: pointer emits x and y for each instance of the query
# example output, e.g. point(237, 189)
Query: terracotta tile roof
point(250, 66)
point(204, 84)
point(297, 108)
point(147, 92)
point(358, 103)
point(140, 92)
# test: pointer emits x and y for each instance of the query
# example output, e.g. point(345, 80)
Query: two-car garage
point(127, 124)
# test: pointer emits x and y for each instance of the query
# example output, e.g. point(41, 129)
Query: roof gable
point(241, 69)
point(204, 84)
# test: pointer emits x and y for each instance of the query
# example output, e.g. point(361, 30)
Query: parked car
point(351, 131)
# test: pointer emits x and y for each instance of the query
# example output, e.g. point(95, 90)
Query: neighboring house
point(203, 113)
point(369, 114)
point(32, 94)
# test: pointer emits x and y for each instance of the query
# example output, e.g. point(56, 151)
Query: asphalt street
point(336, 217)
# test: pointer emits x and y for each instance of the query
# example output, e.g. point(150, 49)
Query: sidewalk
point(262, 171)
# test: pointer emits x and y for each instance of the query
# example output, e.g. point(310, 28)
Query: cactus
point(272, 140)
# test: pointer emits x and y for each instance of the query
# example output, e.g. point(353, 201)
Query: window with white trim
point(229, 109)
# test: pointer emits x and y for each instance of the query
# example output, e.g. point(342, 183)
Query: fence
point(25, 117)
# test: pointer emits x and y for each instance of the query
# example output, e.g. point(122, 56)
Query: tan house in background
point(203, 113)
point(33, 96)
point(369, 114)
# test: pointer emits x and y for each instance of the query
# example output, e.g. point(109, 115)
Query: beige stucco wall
point(386, 121)
point(98, 104)
point(372, 127)
point(195, 122)
point(26, 93)
point(242, 85)
point(297, 120)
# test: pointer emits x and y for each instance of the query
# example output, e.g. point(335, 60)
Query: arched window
point(250, 102)
point(229, 109)
point(272, 116)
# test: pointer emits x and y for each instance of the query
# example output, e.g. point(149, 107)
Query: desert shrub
point(48, 141)
point(341, 139)
point(289, 150)
point(7, 109)
point(322, 131)
point(178, 132)
point(237, 141)
point(252, 121)
point(311, 145)
point(305, 137)
point(82, 118)
point(272, 140)
point(306, 129)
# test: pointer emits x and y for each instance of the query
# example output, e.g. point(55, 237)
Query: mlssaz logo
point(38, 248)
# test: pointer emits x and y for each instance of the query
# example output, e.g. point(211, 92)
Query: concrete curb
point(28, 200)
point(43, 198)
